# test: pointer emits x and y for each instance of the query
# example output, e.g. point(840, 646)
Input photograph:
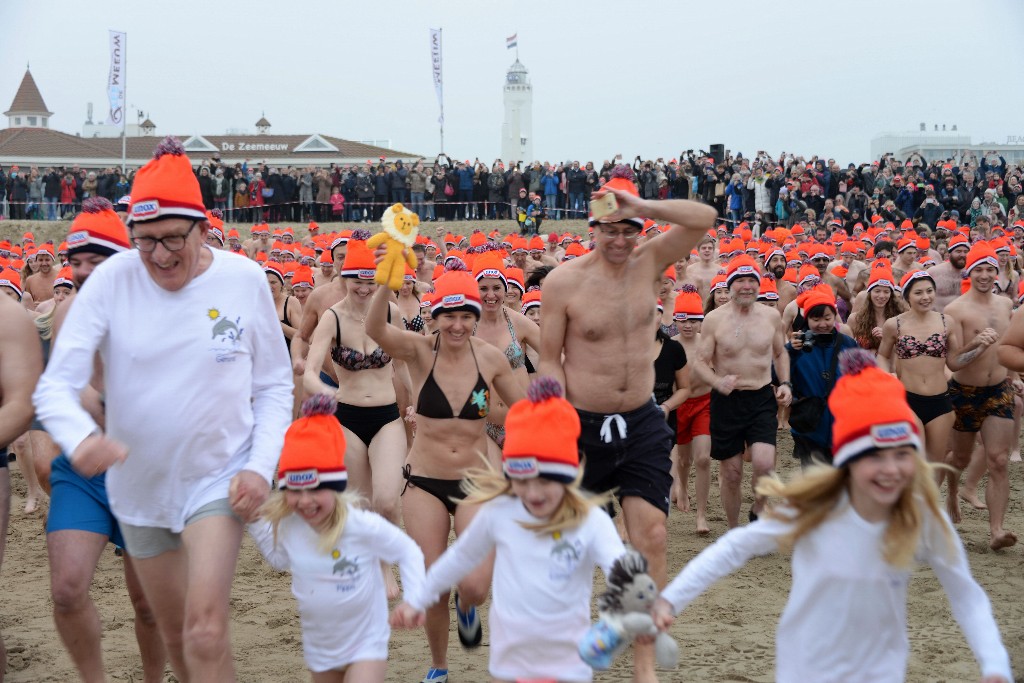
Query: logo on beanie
point(891, 434)
point(453, 300)
point(77, 239)
point(490, 273)
point(521, 467)
point(303, 479)
point(146, 209)
point(367, 274)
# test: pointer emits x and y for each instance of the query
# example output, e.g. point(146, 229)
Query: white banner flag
point(115, 81)
point(435, 60)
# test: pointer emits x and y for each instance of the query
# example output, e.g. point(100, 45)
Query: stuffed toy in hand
point(400, 227)
point(624, 612)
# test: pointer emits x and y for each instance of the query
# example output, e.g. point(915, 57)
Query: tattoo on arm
point(968, 356)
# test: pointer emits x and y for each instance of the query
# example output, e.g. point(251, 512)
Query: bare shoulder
point(15, 321)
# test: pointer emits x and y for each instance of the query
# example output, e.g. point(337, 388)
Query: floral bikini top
point(908, 346)
point(349, 359)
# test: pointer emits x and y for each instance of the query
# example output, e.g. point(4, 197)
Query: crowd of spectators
point(761, 190)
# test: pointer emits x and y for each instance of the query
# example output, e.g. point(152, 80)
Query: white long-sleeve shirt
point(198, 383)
point(845, 621)
point(540, 607)
point(342, 600)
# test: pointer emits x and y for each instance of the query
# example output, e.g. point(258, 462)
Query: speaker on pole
point(718, 152)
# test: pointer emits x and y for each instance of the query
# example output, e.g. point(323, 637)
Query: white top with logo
point(198, 383)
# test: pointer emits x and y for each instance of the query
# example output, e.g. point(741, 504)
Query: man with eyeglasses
point(198, 391)
point(597, 340)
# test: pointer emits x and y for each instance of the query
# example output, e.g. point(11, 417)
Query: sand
point(726, 635)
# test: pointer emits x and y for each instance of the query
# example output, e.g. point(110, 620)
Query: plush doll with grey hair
point(624, 612)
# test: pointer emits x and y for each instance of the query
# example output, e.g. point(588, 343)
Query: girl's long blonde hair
point(276, 508)
point(814, 494)
point(486, 483)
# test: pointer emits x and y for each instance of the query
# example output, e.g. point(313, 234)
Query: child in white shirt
point(855, 529)
point(333, 549)
point(548, 537)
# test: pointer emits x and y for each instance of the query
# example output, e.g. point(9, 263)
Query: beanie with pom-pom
point(455, 291)
point(97, 230)
point(531, 299)
point(870, 410)
point(621, 179)
point(166, 186)
point(541, 434)
point(688, 305)
point(313, 455)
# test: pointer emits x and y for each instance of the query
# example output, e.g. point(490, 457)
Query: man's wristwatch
point(787, 383)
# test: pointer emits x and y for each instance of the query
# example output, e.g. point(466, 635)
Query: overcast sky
point(636, 77)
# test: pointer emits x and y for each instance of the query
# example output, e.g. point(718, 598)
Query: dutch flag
point(510, 42)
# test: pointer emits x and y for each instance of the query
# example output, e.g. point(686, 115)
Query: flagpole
point(124, 118)
point(440, 49)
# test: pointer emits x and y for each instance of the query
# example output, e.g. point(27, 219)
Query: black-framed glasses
point(170, 242)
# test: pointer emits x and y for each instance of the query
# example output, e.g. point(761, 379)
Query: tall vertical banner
point(116, 78)
point(435, 61)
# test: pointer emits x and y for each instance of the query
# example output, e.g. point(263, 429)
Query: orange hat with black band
point(313, 455)
point(769, 290)
point(216, 219)
point(455, 291)
point(274, 268)
point(741, 266)
point(489, 265)
point(882, 277)
point(623, 180)
point(913, 276)
point(958, 240)
point(541, 435)
point(302, 277)
point(531, 299)
point(688, 305)
point(11, 278)
point(870, 410)
point(820, 295)
point(97, 230)
point(64, 278)
point(359, 261)
point(516, 278)
point(981, 253)
point(166, 186)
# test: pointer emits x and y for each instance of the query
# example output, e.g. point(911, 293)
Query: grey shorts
point(149, 541)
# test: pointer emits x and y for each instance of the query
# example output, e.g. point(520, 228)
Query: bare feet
point(1015, 455)
point(1003, 539)
point(702, 526)
point(972, 498)
point(784, 426)
point(31, 503)
point(683, 501)
point(953, 507)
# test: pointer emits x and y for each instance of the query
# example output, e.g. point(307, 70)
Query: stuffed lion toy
point(400, 227)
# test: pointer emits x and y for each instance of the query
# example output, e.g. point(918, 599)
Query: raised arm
point(397, 343)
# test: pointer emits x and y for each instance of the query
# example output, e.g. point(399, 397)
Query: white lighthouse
point(517, 130)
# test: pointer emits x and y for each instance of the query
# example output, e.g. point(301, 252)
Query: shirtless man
point(906, 258)
point(947, 274)
point(21, 362)
point(322, 298)
point(693, 417)
point(777, 266)
point(260, 241)
point(707, 265)
point(40, 283)
point(820, 261)
point(981, 390)
point(624, 434)
point(740, 340)
point(683, 277)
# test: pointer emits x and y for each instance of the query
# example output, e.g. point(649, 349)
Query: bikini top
point(284, 319)
point(349, 359)
point(514, 351)
point(434, 404)
point(414, 325)
point(908, 346)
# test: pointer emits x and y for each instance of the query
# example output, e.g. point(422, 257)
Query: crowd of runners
point(513, 389)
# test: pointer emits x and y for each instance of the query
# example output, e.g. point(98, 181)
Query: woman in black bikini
point(450, 436)
point(509, 331)
point(408, 300)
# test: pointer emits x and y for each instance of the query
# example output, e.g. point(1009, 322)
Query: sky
point(634, 77)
